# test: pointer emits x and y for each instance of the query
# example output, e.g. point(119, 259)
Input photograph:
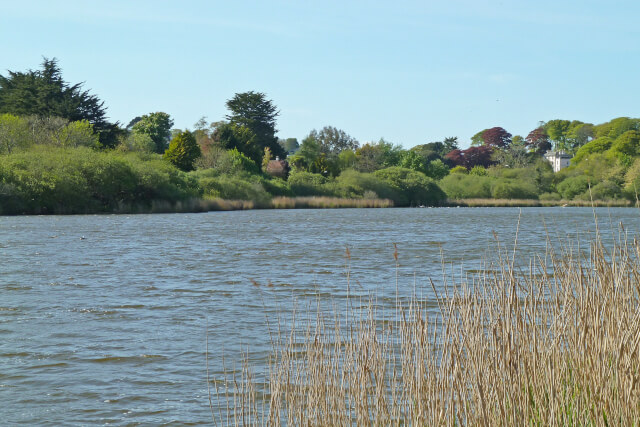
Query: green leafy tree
point(309, 151)
point(410, 159)
point(333, 141)
point(79, 134)
point(626, 146)
point(254, 111)
point(557, 131)
point(14, 133)
point(234, 136)
point(290, 145)
point(374, 156)
point(516, 155)
point(437, 169)
point(347, 159)
point(139, 142)
point(157, 126)
point(580, 134)
point(44, 93)
point(598, 145)
point(183, 151)
point(616, 127)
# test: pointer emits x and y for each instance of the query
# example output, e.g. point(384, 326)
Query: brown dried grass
point(327, 203)
point(556, 343)
point(534, 203)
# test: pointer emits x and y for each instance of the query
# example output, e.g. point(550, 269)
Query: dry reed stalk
point(555, 343)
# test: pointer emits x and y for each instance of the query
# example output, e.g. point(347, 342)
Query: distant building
point(558, 159)
point(278, 168)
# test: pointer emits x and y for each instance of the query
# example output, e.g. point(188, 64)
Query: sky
point(410, 72)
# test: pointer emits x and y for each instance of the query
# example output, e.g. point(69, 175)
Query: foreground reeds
point(555, 343)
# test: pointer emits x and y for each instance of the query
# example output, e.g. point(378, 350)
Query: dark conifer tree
point(44, 93)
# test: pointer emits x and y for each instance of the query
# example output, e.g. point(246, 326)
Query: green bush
point(605, 190)
point(235, 188)
point(507, 189)
point(462, 186)
point(277, 187)
point(459, 169)
point(573, 186)
point(242, 163)
point(478, 171)
point(415, 187)
point(50, 180)
point(354, 184)
point(307, 184)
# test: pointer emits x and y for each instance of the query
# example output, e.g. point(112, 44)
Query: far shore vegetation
point(60, 155)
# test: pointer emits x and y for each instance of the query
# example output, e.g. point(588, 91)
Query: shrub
point(277, 187)
point(505, 189)
point(235, 188)
point(605, 190)
point(415, 187)
point(354, 184)
point(241, 163)
point(478, 171)
point(462, 186)
point(307, 183)
point(550, 196)
point(572, 186)
point(459, 169)
point(67, 180)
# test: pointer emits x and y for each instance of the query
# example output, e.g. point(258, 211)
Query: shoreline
point(322, 202)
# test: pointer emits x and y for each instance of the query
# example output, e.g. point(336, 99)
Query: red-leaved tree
point(538, 141)
point(472, 156)
point(496, 137)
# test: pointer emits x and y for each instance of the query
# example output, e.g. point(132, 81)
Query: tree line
point(42, 116)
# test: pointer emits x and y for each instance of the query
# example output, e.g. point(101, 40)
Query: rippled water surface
point(103, 318)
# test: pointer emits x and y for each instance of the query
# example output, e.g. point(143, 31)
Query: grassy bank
point(554, 341)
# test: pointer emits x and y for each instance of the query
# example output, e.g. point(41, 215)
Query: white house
point(558, 159)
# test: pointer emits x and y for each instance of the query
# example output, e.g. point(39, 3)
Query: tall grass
point(535, 202)
point(327, 202)
point(555, 343)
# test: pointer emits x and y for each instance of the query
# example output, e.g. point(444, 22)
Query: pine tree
point(44, 93)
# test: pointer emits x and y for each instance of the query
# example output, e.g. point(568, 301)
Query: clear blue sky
point(409, 71)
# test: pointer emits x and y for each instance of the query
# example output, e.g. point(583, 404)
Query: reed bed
point(327, 203)
point(536, 203)
point(553, 343)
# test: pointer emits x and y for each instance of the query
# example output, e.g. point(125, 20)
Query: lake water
point(103, 318)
